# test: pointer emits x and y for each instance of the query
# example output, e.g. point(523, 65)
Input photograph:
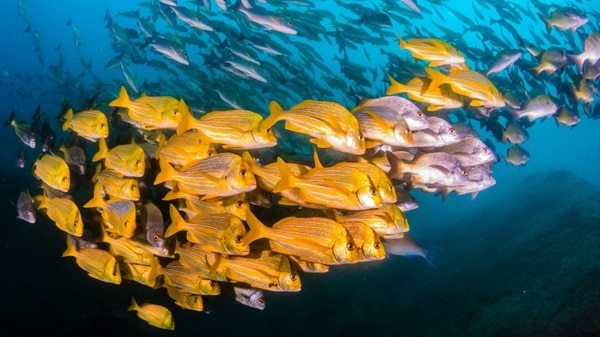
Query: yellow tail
point(68, 120)
point(122, 101)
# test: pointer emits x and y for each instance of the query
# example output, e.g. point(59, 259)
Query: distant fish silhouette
point(407, 246)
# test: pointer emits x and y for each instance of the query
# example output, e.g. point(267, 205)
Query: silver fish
point(154, 226)
point(470, 151)
point(538, 107)
point(248, 296)
point(517, 156)
point(25, 209)
point(407, 246)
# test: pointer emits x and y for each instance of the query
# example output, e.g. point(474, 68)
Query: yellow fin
point(257, 229)
point(316, 159)
point(122, 101)
point(102, 150)
point(288, 180)
point(68, 119)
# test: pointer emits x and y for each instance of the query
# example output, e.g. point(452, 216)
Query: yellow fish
point(219, 233)
point(330, 187)
point(194, 257)
point(154, 314)
point(328, 123)
point(468, 83)
point(315, 239)
point(53, 171)
point(116, 186)
point(99, 263)
point(117, 215)
point(65, 214)
point(236, 205)
point(89, 124)
point(366, 240)
point(157, 112)
point(263, 269)
point(388, 221)
point(309, 266)
point(418, 89)
point(234, 129)
point(185, 300)
point(436, 52)
point(128, 160)
point(142, 274)
point(187, 280)
point(182, 149)
point(222, 175)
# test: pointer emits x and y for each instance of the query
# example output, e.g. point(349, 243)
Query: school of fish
point(171, 193)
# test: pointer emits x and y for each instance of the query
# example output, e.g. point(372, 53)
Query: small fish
point(53, 171)
point(119, 216)
point(436, 52)
point(185, 279)
point(154, 314)
point(329, 123)
point(127, 160)
point(21, 158)
point(98, 263)
point(151, 112)
point(219, 233)
point(75, 158)
point(470, 151)
point(567, 117)
point(116, 186)
point(141, 273)
point(517, 156)
point(153, 223)
point(89, 124)
point(514, 133)
point(245, 295)
point(23, 131)
point(182, 149)
point(387, 221)
point(184, 299)
point(564, 18)
point(429, 168)
point(25, 209)
point(503, 60)
point(407, 246)
point(538, 107)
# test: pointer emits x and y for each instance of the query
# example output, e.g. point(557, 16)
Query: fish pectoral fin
point(322, 143)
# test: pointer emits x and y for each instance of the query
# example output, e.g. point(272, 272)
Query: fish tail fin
point(397, 166)
point(578, 60)
point(187, 121)
point(97, 200)
point(257, 229)
point(177, 222)
point(395, 87)
point(95, 176)
point(437, 78)
point(403, 44)
point(166, 171)
point(43, 199)
point(155, 270)
point(68, 119)
point(162, 141)
point(123, 100)
point(430, 256)
point(10, 119)
point(316, 160)
point(275, 114)
point(504, 136)
point(102, 150)
point(546, 22)
point(134, 306)
point(71, 250)
point(288, 180)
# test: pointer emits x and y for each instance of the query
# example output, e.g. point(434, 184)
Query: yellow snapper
point(236, 205)
point(417, 90)
point(141, 273)
point(151, 112)
point(346, 188)
point(219, 232)
point(184, 299)
point(126, 249)
point(65, 214)
point(468, 83)
point(53, 171)
point(99, 263)
point(315, 239)
point(235, 129)
point(262, 269)
point(388, 221)
point(154, 314)
point(366, 240)
point(182, 149)
point(330, 124)
point(89, 124)
point(116, 186)
point(117, 215)
point(222, 175)
point(436, 52)
point(128, 159)
point(187, 280)
point(194, 257)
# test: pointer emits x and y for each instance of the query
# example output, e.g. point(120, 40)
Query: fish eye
point(293, 277)
point(75, 223)
point(102, 125)
point(268, 130)
point(360, 137)
point(137, 163)
point(463, 172)
point(350, 246)
point(238, 239)
point(132, 187)
point(266, 194)
point(243, 172)
point(195, 299)
point(175, 112)
point(64, 179)
point(261, 300)
point(209, 154)
point(155, 237)
point(373, 191)
point(28, 213)
point(486, 150)
point(377, 245)
point(126, 223)
point(211, 283)
point(452, 130)
point(239, 204)
point(420, 114)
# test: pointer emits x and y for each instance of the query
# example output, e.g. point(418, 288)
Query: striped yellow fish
point(470, 84)
point(99, 263)
point(65, 214)
point(89, 124)
point(368, 245)
point(388, 221)
point(154, 314)
point(234, 129)
point(116, 186)
point(222, 175)
point(436, 52)
point(236, 205)
point(418, 89)
point(219, 232)
point(119, 216)
point(141, 273)
point(53, 171)
point(187, 280)
point(315, 239)
point(185, 300)
point(328, 123)
point(128, 160)
point(182, 149)
point(151, 112)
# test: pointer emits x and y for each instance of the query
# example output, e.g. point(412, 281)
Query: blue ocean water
point(397, 296)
